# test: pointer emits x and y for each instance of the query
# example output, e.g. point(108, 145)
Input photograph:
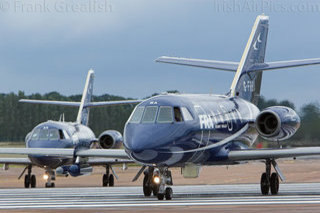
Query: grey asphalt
point(127, 197)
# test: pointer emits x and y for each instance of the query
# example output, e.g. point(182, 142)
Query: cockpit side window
point(177, 114)
point(44, 134)
point(53, 134)
point(165, 115)
point(186, 114)
point(149, 115)
point(61, 135)
point(137, 115)
point(35, 134)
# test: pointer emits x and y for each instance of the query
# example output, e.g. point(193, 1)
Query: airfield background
point(17, 119)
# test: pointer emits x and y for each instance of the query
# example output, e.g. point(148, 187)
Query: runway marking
point(203, 195)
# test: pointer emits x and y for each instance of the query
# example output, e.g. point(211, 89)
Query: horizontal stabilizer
point(211, 64)
point(62, 103)
point(77, 104)
point(232, 66)
point(285, 64)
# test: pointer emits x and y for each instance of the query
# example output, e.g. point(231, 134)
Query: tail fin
point(83, 114)
point(247, 84)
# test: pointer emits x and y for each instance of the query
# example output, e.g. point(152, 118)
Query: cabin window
point(149, 115)
point(177, 114)
point(35, 135)
point(165, 115)
point(186, 114)
point(44, 134)
point(137, 115)
point(53, 134)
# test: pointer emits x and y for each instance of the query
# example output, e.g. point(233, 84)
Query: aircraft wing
point(105, 161)
point(18, 161)
point(260, 154)
point(105, 153)
point(219, 65)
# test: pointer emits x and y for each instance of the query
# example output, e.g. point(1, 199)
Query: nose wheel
point(269, 182)
point(49, 176)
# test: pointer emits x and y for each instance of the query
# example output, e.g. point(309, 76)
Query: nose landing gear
point(49, 176)
point(156, 181)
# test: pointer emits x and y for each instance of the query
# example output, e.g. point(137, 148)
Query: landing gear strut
point(108, 179)
point(29, 179)
point(49, 176)
point(269, 181)
point(156, 181)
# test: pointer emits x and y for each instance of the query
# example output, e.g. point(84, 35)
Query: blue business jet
point(66, 140)
point(192, 130)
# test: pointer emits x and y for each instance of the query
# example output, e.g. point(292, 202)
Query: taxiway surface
point(293, 197)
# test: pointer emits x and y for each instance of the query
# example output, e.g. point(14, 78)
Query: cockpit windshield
point(49, 134)
point(137, 115)
point(165, 115)
point(53, 134)
point(149, 115)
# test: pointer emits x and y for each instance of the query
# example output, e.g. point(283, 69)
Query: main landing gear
point(270, 181)
point(29, 179)
point(107, 179)
point(156, 182)
point(49, 176)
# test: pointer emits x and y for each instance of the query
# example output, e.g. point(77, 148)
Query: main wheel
point(274, 183)
point(26, 181)
point(264, 184)
point(111, 180)
point(146, 186)
point(105, 180)
point(160, 196)
point(168, 193)
point(33, 181)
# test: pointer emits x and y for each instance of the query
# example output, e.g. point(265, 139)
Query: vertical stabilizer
point(83, 114)
point(247, 85)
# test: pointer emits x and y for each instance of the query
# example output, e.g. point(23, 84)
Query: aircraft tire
point(105, 180)
point(264, 184)
point(26, 181)
point(33, 181)
point(146, 187)
point(111, 180)
point(160, 196)
point(155, 189)
point(274, 183)
point(169, 193)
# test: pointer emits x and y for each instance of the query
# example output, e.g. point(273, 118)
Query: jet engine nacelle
point(277, 123)
point(110, 139)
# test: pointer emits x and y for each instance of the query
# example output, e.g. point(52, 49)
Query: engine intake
point(277, 123)
point(110, 139)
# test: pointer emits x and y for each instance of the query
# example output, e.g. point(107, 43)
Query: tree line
point(18, 119)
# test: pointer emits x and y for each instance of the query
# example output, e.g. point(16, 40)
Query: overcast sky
point(50, 45)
